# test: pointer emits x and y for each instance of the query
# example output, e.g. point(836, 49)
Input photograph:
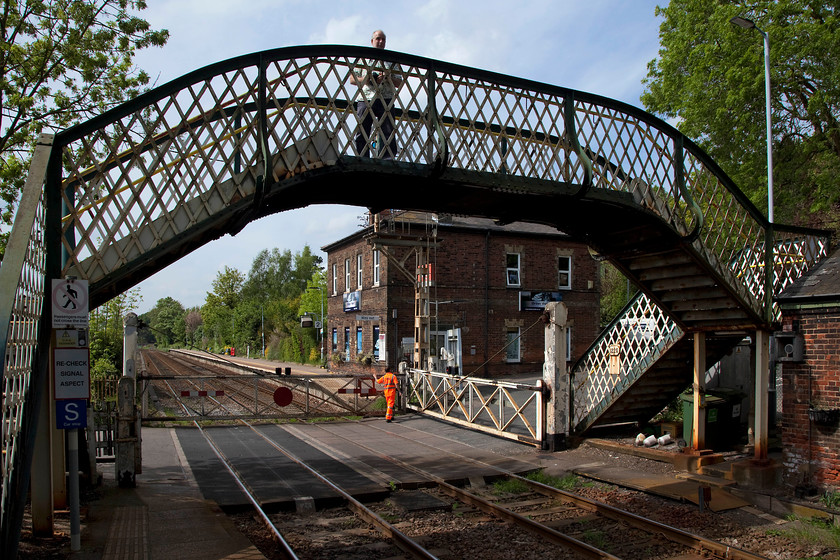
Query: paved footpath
point(163, 517)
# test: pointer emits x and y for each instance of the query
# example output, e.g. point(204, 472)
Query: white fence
point(510, 410)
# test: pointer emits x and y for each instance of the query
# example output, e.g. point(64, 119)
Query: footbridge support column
point(128, 459)
point(698, 436)
point(556, 378)
point(762, 384)
point(761, 471)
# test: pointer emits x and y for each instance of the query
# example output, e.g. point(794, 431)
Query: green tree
point(709, 79)
point(106, 330)
point(61, 62)
point(616, 292)
point(192, 326)
point(227, 286)
point(313, 301)
point(166, 320)
point(218, 311)
point(274, 290)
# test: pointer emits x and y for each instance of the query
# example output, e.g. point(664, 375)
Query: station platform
point(163, 517)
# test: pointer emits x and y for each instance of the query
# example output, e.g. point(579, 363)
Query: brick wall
point(471, 288)
point(810, 449)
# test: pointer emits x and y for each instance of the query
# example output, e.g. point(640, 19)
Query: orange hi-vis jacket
point(388, 382)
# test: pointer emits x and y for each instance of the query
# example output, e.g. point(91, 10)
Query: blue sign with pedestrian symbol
point(71, 414)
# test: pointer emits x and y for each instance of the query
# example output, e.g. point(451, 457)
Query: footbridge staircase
point(120, 197)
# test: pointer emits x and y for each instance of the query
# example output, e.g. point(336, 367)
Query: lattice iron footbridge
point(120, 197)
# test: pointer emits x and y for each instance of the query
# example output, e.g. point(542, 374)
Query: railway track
point(440, 520)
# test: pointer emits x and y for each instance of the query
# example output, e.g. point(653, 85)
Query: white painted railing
point(506, 409)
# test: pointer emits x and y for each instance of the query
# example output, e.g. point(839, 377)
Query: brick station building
point(808, 352)
point(487, 287)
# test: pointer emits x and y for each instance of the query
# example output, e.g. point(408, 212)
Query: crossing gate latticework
point(503, 408)
point(117, 198)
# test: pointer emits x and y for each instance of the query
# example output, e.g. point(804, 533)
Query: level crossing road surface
point(355, 455)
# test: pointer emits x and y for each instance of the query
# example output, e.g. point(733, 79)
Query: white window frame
point(567, 272)
point(375, 267)
point(347, 275)
point(335, 279)
point(513, 270)
point(359, 271)
point(511, 345)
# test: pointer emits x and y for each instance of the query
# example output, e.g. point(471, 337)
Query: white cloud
point(347, 31)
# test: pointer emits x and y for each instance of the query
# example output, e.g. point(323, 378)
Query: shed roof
point(820, 284)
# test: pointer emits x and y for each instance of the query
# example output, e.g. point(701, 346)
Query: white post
point(555, 378)
point(762, 383)
point(73, 480)
point(699, 387)
point(128, 438)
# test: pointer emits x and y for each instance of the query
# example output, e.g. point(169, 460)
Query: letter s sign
point(71, 414)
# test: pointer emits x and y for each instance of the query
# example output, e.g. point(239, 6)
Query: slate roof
point(820, 284)
point(449, 221)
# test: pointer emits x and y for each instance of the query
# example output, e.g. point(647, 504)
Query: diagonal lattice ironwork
point(510, 410)
point(23, 287)
point(637, 338)
point(134, 189)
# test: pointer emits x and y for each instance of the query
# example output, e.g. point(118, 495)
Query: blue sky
point(598, 46)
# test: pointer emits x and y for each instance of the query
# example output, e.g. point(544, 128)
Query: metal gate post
point(128, 458)
point(126, 434)
point(555, 377)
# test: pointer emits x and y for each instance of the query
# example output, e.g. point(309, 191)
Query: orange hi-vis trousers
point(389, 383)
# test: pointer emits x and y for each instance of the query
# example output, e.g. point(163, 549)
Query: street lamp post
point(762, 363)
point(749, 24)
point(321, 330)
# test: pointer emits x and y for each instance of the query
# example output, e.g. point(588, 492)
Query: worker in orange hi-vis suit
point(390, 385)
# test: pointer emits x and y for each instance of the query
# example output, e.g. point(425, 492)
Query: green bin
point(723, 417)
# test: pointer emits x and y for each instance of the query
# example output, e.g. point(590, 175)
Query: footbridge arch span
point(267, 132)
point(122, 196)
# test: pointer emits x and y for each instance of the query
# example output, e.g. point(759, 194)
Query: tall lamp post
point(762, 364)
point(749, 24)
point(321, 330)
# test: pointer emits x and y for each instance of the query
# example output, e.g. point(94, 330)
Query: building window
point(334, 339)
point(359, 271)
point(376, 342)
point(564, 272)
point(512, 269)
point(347, 275)
point(358, 340)
point(335, 278)
point(346, 343)
point(512, 349)
point(375, 268)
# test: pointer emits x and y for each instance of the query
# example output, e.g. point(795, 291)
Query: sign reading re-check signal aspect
point(72, 373)
point(70, 303)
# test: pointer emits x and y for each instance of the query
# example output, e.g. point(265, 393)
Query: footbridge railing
point(217, 145)
point(131, 191)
